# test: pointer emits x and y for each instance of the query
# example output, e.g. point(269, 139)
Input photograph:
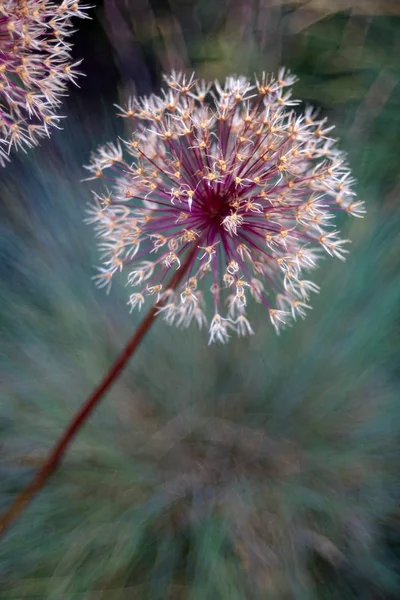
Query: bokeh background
point(267, 468)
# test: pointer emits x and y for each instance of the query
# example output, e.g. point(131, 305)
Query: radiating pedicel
point(236, 171)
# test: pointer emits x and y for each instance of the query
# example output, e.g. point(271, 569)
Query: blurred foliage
point(267, 468)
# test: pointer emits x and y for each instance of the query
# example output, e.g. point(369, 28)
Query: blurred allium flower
point(35, 65)
point(235, 171)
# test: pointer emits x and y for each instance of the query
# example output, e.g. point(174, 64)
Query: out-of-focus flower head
point(235, 171)
point(35, 66)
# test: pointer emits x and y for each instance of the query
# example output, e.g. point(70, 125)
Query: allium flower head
point(232, 177)
point(35, 66)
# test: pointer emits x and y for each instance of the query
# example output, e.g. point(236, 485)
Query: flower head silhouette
point(236, 172)
point(35, 66)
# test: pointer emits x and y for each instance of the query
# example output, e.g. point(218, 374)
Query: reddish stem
point(55, 456)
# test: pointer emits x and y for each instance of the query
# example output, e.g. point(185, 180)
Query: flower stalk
point(57, 453)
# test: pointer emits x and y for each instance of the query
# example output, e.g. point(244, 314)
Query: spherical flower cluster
point(35, 65)
point(229, 183)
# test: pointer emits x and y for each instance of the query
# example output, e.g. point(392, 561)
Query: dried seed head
point(232, 170)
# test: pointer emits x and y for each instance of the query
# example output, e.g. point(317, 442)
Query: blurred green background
point(267, 468)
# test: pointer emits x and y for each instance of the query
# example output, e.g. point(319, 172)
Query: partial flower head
point(233, 185)
point(35, 66)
